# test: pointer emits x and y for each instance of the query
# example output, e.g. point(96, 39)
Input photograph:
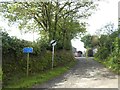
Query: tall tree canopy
point(58, 20)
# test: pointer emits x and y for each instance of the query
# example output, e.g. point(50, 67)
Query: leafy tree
point(90, 41)
point(57, 19)
point(87, 41)
point(108, 50)
point(106, 29)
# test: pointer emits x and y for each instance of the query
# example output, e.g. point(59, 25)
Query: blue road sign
point(28, 50)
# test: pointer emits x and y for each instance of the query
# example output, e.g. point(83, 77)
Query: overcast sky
point(108, 12)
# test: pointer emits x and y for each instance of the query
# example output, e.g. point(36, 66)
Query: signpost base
point(27, 64)
point(53, 43)
point(52, 57)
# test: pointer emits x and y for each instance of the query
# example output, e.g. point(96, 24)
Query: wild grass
point(0, 73)
point(28, 82)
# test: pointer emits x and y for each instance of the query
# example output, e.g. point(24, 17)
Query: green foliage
point(102, 53)
point(108, 51)
point(52, 20)
point(12, 44)
point(28, 82)
point(38, 65)
point(1, 73)
point(61, 59)
point(87, 41)
point(14, 60)
point(113, 61)
point(90, 41)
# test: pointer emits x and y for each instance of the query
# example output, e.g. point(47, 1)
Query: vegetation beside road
point(1, 73)
point(14, 60)
point(107, 43)
point(39, 78)
point(51, 21)
point(108, 51)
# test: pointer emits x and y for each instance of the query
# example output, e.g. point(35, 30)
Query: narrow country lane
point(86, 74)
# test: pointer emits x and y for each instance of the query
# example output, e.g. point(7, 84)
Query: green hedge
point(110, 57)
point(14, 60)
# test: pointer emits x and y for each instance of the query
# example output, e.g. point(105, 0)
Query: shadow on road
point(91, 68)
point(81, 74)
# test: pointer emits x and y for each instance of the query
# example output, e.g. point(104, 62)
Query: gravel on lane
point(85, 74)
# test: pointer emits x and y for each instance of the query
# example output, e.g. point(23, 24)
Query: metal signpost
point(27, 50)
point(53, 43)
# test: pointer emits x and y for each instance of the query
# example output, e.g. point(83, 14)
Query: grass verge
point(28, 82)
point(0, 73)
point(106, 64)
